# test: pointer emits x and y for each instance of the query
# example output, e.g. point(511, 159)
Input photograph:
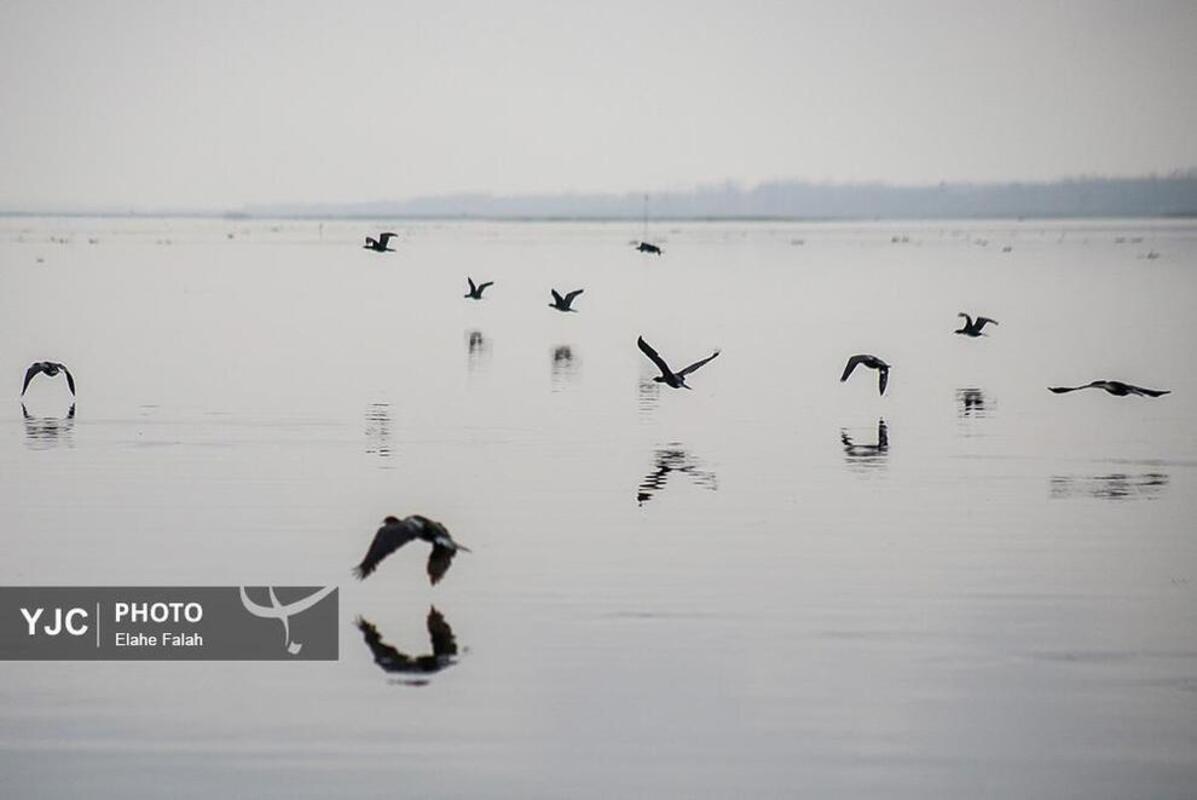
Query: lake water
point(773, 585)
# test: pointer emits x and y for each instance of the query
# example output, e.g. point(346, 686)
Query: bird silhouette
point(676, 380)
point(395, 533)
point(475, 292)
point(1116, 388)
point(872, 362)
point(563, 303)
point(645, 247)
point(379, 245)
point(440, 635)
point(50, 368)
point(973, 327)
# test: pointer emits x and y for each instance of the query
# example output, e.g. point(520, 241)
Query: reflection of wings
point(653, 356)
point(851, 365)
point(439, 561)
point(696, 365)
point(882, 435)
point(440, 634)
point(384, 654)
point(389, 538)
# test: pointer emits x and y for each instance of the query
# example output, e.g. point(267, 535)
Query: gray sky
point(223, 103)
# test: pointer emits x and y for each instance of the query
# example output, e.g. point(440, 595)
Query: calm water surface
point(772, 585)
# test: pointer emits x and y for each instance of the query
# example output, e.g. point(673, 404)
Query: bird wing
point(1065, 389)
point(556, 297)
point(851, 365)
point(696, 365)
point(968, 321)
point(647, 349)
point(441, 635)
point(383, 238)
point(982, 320)
point(569, 298)
point(384, 654)
point(1151, 392)
point(882, 379)
point(439, 561)
point(388, 539)
point(482, 286)
point(33, 370)
point(70, 378)
point(473, 288)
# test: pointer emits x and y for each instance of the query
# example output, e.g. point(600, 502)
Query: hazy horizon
point(221, 106)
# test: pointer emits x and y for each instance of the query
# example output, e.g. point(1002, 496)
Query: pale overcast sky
point(215, 104)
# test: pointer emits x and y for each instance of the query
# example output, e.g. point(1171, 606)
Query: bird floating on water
point(50, 368)
point(475, 292)
point(973, 327)
point(396, 532)
point(677, 380)
point(379, 245)
point(1116, 388)
point(646, 247)
point(563, 303)
point(872, 362)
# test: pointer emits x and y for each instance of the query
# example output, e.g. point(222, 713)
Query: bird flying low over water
point(476, 291)
point(51, 368)
point(395, 533)
point(563, 303)
point(1116, 388)
point(872, 362)
point(677, 380)
point(973, 327)
point(379, 245)
point(645, 247)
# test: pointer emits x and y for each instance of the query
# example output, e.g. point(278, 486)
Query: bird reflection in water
point(859, 455)
point(42, 433)
point(673, 458)
point(649, 396)
point(389, 659)
point(972, 402)
point(564, 366)
point(378, 429)
point(477, 350)
point(1115, 486)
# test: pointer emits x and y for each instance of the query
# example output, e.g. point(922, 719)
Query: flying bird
point(1116, 388)
point(476, 291)
point(973, 327)
point(872, 362)
point(645, 247)
point(379, 245)
point(677, 380)
point(51, 368)
point(395, 533)
point(563, 303)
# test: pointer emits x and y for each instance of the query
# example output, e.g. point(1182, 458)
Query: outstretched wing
point(70, 378)
point(439, 561)
point(851, 365)
point(1065, 389)
point(388, 539)
point(556, 297)
point(696, 365)
point(882, 380)
point(968, 321)
point(569, 298)
point(647, 349)
point(383, 238)
point(473, 288)
point(29, 373)
point(982, 320)
point(482, 286)
point(1152, 392)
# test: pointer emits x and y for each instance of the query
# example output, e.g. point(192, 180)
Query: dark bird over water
point(563, 303)
point(51, 368)
point(475, 292)
point(379, 245)
point(677, 380)
point(645, 247)
point(395, 533)
point(973, 327)
point(1116, 388)
point(872, 362)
